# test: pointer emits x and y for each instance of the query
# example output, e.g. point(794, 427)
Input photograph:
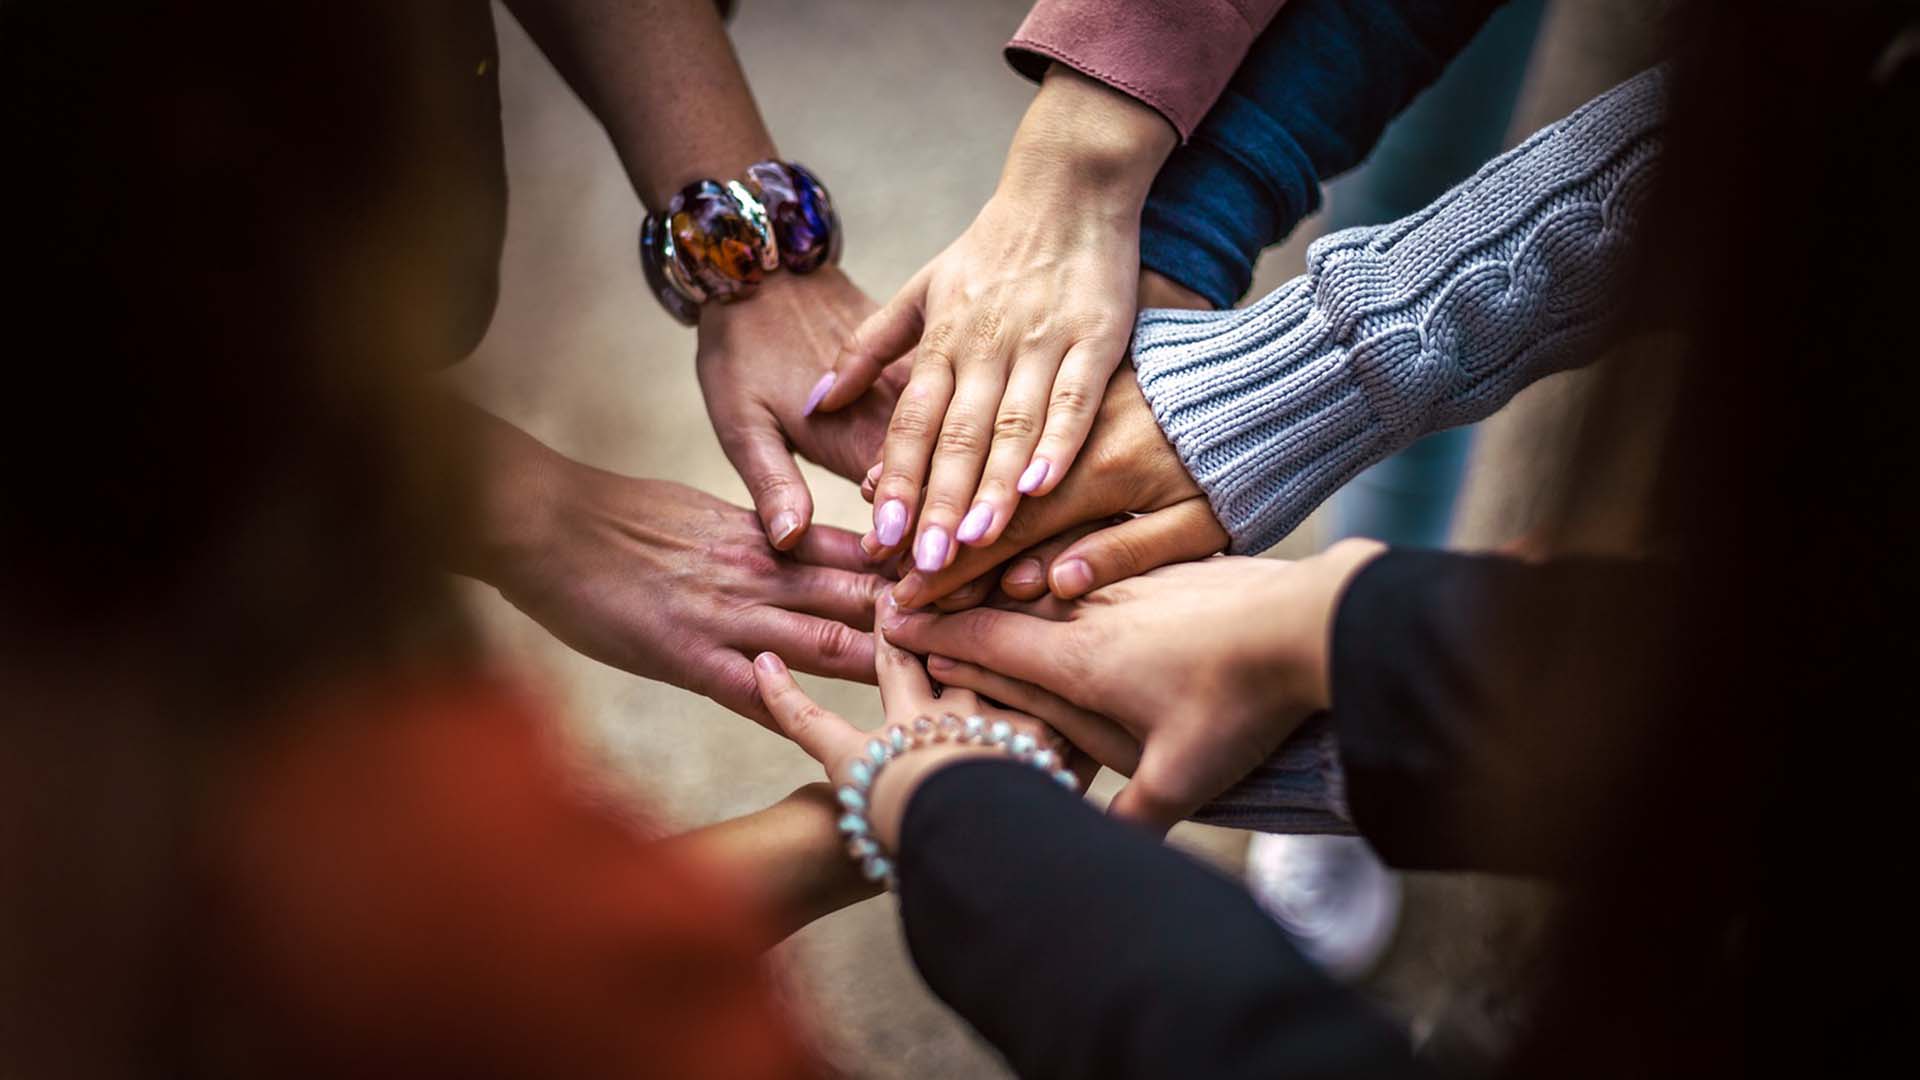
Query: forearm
point(1312, 97)
point(517, 481)
point(1396, 331)
point(1081, 947)
point(663, 79)
point(1092, 145)
point(786, 860)
point(1478, 702)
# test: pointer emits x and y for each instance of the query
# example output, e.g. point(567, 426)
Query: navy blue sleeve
point(1308, 103)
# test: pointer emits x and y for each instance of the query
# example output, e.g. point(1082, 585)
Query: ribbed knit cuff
point(1302, 788)
point(1402, 329)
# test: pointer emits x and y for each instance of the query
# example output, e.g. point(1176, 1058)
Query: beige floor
point(905, 106)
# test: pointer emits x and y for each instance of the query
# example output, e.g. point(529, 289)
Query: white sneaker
point(1331, 894)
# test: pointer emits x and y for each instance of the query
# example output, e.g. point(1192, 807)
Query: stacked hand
point(1185, 678)
point(756, 360)
point(1015, 329)
point(1064, 540)
point(906, 694)
point(665, 581)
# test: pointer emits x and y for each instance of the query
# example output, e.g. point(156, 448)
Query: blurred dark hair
point(227, 486)
point(1732, 912)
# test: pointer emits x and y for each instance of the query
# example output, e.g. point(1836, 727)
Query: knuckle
point(1069, 396)
point(962, 438)
point(835, 641)
point(1014, 425)
point(1123, 555)
point(895, 659)
point(936, 349)
point(914, 415)
point(736, 684)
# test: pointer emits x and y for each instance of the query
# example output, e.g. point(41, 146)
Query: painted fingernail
point(974, 525)
point(819, 393)
point(1025, 574)
point(1035, 475)
point(930, 551)
point(769, 663)
point(890, 522)
point(1072, 577)
point(785, 524)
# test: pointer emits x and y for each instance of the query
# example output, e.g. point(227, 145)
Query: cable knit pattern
point(1402, 329)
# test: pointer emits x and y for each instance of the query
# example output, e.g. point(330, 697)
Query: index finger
point(825, 737)
point(904, 686)
point(1024, 646)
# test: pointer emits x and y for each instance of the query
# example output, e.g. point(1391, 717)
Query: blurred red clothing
point(418, 886)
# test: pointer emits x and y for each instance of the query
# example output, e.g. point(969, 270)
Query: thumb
point(885, 336)
point(759, 454)
point(1181, 532)
point(824, 736)
point(1153, 798)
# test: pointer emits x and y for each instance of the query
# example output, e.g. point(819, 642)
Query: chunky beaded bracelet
point(718, 241)
point(855, 795)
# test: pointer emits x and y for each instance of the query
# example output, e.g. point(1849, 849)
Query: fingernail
point(1073, 577)
point(891, 617)
point(819, 393)
point(890, 523)
point(974, 525)
point(939, 663)
point(873, 474)
point(769, 663)
point(785, 524)
point(930, 551)
point(1035, 475)
point(1025, 572)
point(870, 546)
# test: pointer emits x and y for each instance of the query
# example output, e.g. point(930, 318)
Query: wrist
point(520, 486)
point(780, 290)
point(1082, 140)
point(893, 790)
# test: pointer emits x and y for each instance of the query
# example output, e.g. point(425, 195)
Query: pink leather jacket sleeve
point(1175, 55)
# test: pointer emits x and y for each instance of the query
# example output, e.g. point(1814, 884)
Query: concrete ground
point(905, 107)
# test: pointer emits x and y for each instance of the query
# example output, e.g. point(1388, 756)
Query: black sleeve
point(1082, 947)
point(1484, 707)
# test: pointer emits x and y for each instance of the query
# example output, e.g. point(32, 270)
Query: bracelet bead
point(898, 739)
point(717, 241)
point(805, 226)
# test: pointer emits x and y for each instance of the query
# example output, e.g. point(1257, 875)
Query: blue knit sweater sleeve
point(1402, 329)
point(1308, 103)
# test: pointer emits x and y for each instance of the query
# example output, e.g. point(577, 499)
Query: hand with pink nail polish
point(763, 367)
point(1205, 667)
point(1015, 329)
point(1130, 506)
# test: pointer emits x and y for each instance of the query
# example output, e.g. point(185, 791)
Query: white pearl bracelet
point(898, 739)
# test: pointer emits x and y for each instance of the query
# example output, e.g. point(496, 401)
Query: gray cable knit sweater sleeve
point(1399, 330)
